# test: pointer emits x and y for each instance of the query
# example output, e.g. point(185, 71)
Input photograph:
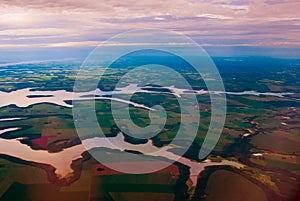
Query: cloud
point(213, 16)
point(57, 23)
point(34, 32)
point(159, 18)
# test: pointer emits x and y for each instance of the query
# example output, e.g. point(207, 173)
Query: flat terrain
point(265, 125)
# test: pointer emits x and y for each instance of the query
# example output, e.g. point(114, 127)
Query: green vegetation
point(255, 124)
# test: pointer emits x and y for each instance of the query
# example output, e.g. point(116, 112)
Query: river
point(27, 97)
point(62, 160)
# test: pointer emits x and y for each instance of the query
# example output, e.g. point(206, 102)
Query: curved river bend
point(62, 160)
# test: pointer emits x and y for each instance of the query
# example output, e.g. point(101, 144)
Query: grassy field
point(224, 185)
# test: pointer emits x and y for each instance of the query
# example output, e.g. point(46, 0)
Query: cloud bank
point(219, 23)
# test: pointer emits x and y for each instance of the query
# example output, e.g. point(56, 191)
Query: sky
point(51, 29)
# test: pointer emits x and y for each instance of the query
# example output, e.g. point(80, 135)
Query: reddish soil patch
point(42, 141)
